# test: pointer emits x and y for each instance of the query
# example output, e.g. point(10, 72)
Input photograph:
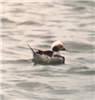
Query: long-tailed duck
point(49, 56)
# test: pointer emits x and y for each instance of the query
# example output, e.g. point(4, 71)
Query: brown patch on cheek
point(55, 48)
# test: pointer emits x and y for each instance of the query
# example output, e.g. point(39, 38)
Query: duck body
point(49, 56)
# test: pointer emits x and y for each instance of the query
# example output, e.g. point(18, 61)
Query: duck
point(52, 56)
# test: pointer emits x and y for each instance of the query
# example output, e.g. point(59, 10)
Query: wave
point(81, 71)
point(31, 23)
point(6, 20)
point(16, 61)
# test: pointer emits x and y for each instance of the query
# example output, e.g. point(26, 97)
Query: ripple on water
point(29, 85)
point(6, 20)
point(14, 38)
point(31, 23)
point(18, 61)
point(44, 46)
point(64, 91)
point(80, 47)
point(47, 36)
point(89, 87)
point(3, 35)
point(42, 23)
point(86, 60)
point(81, 71)
point(49, 41)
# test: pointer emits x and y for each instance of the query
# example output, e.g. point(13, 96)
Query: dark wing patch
point(48, 52)
point(39, 52)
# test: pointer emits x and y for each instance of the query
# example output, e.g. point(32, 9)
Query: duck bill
point(65, 49)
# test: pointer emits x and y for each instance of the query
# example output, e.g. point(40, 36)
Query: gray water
point(40, 24)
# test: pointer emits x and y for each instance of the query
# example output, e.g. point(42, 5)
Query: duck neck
point(56, 53)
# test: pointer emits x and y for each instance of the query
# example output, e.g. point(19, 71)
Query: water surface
point(40, 24)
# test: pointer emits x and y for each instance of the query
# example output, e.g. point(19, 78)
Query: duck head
point(58, 46)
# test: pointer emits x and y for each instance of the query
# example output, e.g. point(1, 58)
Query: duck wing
point(47, 52)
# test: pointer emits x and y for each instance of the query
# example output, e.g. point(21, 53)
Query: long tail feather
point(31, 49)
